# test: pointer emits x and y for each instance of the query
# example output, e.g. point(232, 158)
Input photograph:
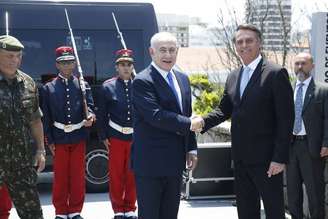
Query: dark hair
point(250, 27)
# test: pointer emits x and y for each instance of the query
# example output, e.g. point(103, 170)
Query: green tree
point(207, 94)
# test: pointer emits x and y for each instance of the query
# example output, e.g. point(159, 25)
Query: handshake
point(197, 123)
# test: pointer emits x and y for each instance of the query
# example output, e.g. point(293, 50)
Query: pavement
point(98, 206)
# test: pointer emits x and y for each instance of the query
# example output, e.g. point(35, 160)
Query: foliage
point(206, 94)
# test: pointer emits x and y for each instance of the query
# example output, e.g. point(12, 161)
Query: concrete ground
point(98, 206)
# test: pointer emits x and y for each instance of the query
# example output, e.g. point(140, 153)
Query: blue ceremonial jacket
point(114, 103)
point(62, 102)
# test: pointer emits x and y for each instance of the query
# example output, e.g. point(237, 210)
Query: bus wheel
point(97, 170)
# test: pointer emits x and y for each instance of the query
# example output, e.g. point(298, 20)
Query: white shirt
point(175, 82)
point(305, 87)
point(253, 65)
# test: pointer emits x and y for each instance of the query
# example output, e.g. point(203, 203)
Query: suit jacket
point(315, 117)
point(262, 120)
point(162, 133)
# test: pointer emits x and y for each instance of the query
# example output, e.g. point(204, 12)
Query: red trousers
point(5, 203)
point(121, 179)
point(68, 190)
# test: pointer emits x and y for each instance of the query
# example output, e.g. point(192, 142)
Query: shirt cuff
point(193, 152)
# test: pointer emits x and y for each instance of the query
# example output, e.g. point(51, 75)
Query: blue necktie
point(244, 80)
point(298, 109)
point(171, 83)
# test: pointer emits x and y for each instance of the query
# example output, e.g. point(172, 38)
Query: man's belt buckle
point(126, 130)
point(68, 128)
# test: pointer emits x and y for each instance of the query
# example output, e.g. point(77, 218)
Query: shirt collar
point(62, 77)
point(254, 63)
point(161, 71)
point(124, 81)
point(305, 82)
point(18, 77)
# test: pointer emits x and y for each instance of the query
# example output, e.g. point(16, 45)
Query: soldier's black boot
point(77, 217)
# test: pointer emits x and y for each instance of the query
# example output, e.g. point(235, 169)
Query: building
point(190, 31)
point(203, 36)
point(273, 17)
point(175, 24)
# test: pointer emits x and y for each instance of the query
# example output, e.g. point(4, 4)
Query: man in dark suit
point(258, 98)
point(162, 138)
point(309, 143)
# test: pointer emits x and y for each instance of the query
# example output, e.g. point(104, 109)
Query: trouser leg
point(5, 203)
point(76, 177)
point(22, 188)
point(60, 189)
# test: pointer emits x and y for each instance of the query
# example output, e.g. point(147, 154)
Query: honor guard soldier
point(115, 130)
point(20, 121)
point(66, 134)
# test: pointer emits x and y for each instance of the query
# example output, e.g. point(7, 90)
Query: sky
point(207, 10)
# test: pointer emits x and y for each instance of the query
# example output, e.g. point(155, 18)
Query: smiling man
point(20, 124)
point(162, 141)
point(258, 98)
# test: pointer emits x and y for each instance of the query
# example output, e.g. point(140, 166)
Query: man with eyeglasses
point(66, 132)
point(115, 130)
point(163, 143)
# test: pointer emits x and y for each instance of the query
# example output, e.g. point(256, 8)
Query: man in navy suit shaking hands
point(163, 143)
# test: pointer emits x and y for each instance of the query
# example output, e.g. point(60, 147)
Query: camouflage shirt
point(19, 105)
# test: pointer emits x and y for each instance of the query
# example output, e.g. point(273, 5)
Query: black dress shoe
point(77, 217)
point(119, 217)
point(57, 217)
point(131, 217)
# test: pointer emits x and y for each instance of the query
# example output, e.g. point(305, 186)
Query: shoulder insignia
point(110, 80)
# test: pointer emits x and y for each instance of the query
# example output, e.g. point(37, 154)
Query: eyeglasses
point(68, 62)
point(171, 50)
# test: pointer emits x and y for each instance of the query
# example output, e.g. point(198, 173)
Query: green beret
point(10, 43)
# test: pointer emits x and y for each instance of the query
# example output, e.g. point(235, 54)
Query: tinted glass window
point(96, 50)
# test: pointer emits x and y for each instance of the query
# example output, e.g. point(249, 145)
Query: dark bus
point(42, 27)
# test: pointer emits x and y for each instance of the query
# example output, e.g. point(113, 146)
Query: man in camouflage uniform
point(20, 121)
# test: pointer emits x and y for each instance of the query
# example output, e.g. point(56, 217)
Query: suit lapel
point(237, 93)
point(182, 89)
point(308, 95)
point(257, 72)
point(165, 87)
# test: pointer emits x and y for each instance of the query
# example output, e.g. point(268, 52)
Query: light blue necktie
point(298, 109)
point(171, 83)
point(244, 79)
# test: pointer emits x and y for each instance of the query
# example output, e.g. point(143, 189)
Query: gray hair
point(163, 37)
